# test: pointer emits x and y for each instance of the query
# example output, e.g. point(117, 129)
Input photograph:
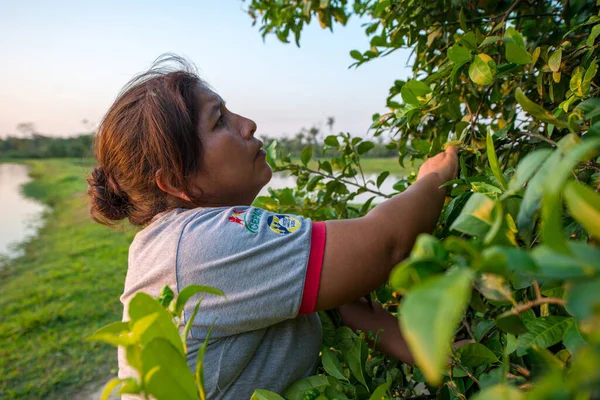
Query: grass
point(65, 286)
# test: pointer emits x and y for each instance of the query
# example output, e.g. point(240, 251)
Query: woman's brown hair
point(149, 129)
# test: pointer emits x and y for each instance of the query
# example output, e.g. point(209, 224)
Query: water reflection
point(19, 216)
point(282, 180)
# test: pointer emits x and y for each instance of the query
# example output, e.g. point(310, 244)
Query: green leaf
point(191, 290)
point(409, 273)
point(428, 247)
point(357, 55)
point(482, 69)
point(380, 393)
point(476, 216)
point(489, 40)
point(459, 55)
point(199, 371)
point(499, 392)
point(430, 313)
point(552, 229)
point(332, 141)
point(326, 166)
point(364, 147)
point(272, 153)
point(115, 334)
point(110, 387)
point(143, 305)
point(166, 296)
point(559, 266)
point(535, 189)
point(493, 160)
point(262, 394)
point(555, 59)
point(332, 364)
point(297, 389)
point(573, 340)
point(306, 155)
point(513, 36)
point(356, 358)
point(590, 108)
point(593, 35)
point(543, 333)
point(382, 177)
point(511, 323)
point(527, 167)
point(310, 186)
point(538, 111)
point(584, 205)
point(173, 378)
point(516, 54)
point(590, 73)
point(412, 90)
point(475, 354)
point(583, 301)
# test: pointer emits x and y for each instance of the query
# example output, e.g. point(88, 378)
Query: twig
point(468, 329)
point(530, 304)
point(387, 196)
point(538, 294)
point(510, 9)
point(470, 375)
point(538, 136)
point(476, 116)
point(522, 370)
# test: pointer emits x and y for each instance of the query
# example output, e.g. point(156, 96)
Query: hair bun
point(107, 201)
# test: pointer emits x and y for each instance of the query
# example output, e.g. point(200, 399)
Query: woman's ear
point(164, 185)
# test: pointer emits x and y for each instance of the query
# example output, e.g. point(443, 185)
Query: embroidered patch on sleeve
point(249, 218)
point(283, 224)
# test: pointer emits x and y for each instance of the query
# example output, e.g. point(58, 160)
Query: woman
point(173, 158)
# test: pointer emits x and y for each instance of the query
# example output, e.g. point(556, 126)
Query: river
point(20, 217)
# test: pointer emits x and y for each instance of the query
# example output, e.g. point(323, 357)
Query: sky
point(65, 61)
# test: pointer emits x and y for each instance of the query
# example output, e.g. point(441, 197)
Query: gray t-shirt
point(265, 333)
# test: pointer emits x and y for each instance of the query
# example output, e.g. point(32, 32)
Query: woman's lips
point(260, 153)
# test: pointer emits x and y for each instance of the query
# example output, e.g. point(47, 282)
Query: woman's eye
point(220, 122)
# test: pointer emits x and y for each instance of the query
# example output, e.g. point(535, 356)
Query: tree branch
point(530, 304)
point(312, 171)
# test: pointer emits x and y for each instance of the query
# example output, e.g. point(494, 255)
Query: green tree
point(513, 83)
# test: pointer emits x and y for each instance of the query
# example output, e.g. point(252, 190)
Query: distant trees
point(36, 145)
point(314, 137)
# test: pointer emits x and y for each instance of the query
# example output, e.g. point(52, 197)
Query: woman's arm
point(359, 315)
point(361, 252)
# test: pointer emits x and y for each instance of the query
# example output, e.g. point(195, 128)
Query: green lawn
point(65, 287)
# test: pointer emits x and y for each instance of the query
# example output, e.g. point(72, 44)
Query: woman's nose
point(249, 128)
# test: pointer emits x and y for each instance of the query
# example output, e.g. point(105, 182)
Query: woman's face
point(233, 167)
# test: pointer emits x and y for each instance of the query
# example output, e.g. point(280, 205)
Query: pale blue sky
point(63, 61)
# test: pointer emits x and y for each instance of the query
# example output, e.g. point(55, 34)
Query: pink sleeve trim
point(313, 271)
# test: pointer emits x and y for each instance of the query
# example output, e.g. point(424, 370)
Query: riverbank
point(65, 286)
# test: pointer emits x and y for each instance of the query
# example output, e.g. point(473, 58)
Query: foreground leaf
point(538, 111)
point(262, 394)
point(173, 378)
point(499, 392)
point(430, 313)
point(476, 216)
point(584, 205)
